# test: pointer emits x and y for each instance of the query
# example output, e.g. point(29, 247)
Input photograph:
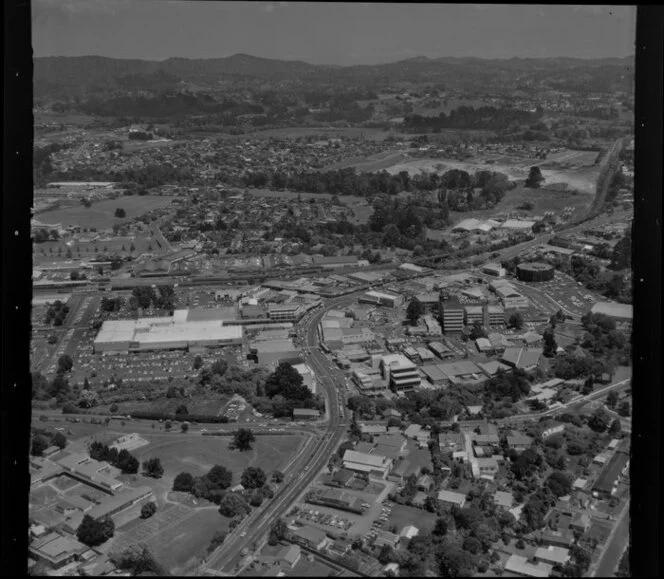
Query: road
point(565, 407)
point(304, 470)
point(615, 547)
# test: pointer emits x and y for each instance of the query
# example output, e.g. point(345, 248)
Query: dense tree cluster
point(152, 467)
point(139, 560)
point(162, 297)
point(486, 118)
point(56, 313)
point(123, 459)
point(93, 532)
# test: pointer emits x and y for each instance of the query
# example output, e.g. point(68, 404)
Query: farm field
point(100, 215)
point(198, 454)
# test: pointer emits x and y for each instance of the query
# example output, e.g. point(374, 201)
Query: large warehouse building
point(535, 272)
point(168, 333)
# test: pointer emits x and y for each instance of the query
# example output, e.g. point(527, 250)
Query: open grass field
point(582, 176)
point(182, 545)
point(402, 516)
point(101, 214)
point(198, 454)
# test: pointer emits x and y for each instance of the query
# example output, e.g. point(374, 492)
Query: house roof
point(522, 357)
point(451, 497)
point(364, 459)
point(503, 499)
point(311, 534)
point(521, 565)
point(117, 501)
point(553, 554)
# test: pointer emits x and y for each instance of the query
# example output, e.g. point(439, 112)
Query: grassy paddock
point(101, 214)
point(197, 454)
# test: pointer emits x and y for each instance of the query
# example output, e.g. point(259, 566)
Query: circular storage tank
point(535, 272)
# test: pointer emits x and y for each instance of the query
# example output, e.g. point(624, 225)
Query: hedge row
point(205, 418)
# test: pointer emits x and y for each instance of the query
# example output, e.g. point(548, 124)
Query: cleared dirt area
point(101, 214)
point(582, 176)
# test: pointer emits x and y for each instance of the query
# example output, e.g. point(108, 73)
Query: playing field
point(198, 454)
point(101, 214)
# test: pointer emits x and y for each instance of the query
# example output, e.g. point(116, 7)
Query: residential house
point(503, 499)
point(552, 555)
point(374, 466)
point(520, 566)
point(387, 538)
point(452, 498)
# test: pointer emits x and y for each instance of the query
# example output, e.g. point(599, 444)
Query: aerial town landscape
point(294, 319)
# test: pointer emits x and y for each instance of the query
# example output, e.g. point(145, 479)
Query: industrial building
point(366, 384)
point(400, 372)
point(56, 550)
point(474, 314)
point(453, 314)
point(535, 272)
point(510, 297)
point(272, 352)
point(607, 482)
point(375, 466)
point(166, 333)
point(495, 315)
point(493, 269)
point(381, 299)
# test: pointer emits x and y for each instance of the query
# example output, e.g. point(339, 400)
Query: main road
point(253, 530)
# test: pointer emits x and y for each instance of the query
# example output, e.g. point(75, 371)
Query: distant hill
point(66, 77)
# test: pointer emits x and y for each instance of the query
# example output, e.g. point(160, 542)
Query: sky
point(327, 33)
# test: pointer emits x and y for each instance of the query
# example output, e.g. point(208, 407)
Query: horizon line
point(589, 59)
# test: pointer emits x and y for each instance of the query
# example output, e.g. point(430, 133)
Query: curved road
point(255, 528)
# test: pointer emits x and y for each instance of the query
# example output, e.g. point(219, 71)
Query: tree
point(184, 427)
point(515, 321)
point(39, 445)
point(616, 428)
point(127, 462)
point(139, 560)
point(86, 384)
point(183, 482)
point(65, 363)
point(59, 440)
point(624, 409)
point(232, 505)
point(181, 411)
point(277, 476)
point(477, 331)
point(287, 382)
point(550, 345)
point(253, 478)
point(243, 438)
point(120, 213)
point(219, 477)
point(559, 484)
point(278, 532)
point(612, 399)
point(386, 555)
point(472, 545)
point(153, 468)
point(440, 528)
point(148, 509)
point(535, 178)
point(599, 421)
point(198, 363)
point(93, 533)
point(587, 387)
point(414, 311)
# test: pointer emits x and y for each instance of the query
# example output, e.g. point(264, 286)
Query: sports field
point(101, 215)
point(198, 454)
